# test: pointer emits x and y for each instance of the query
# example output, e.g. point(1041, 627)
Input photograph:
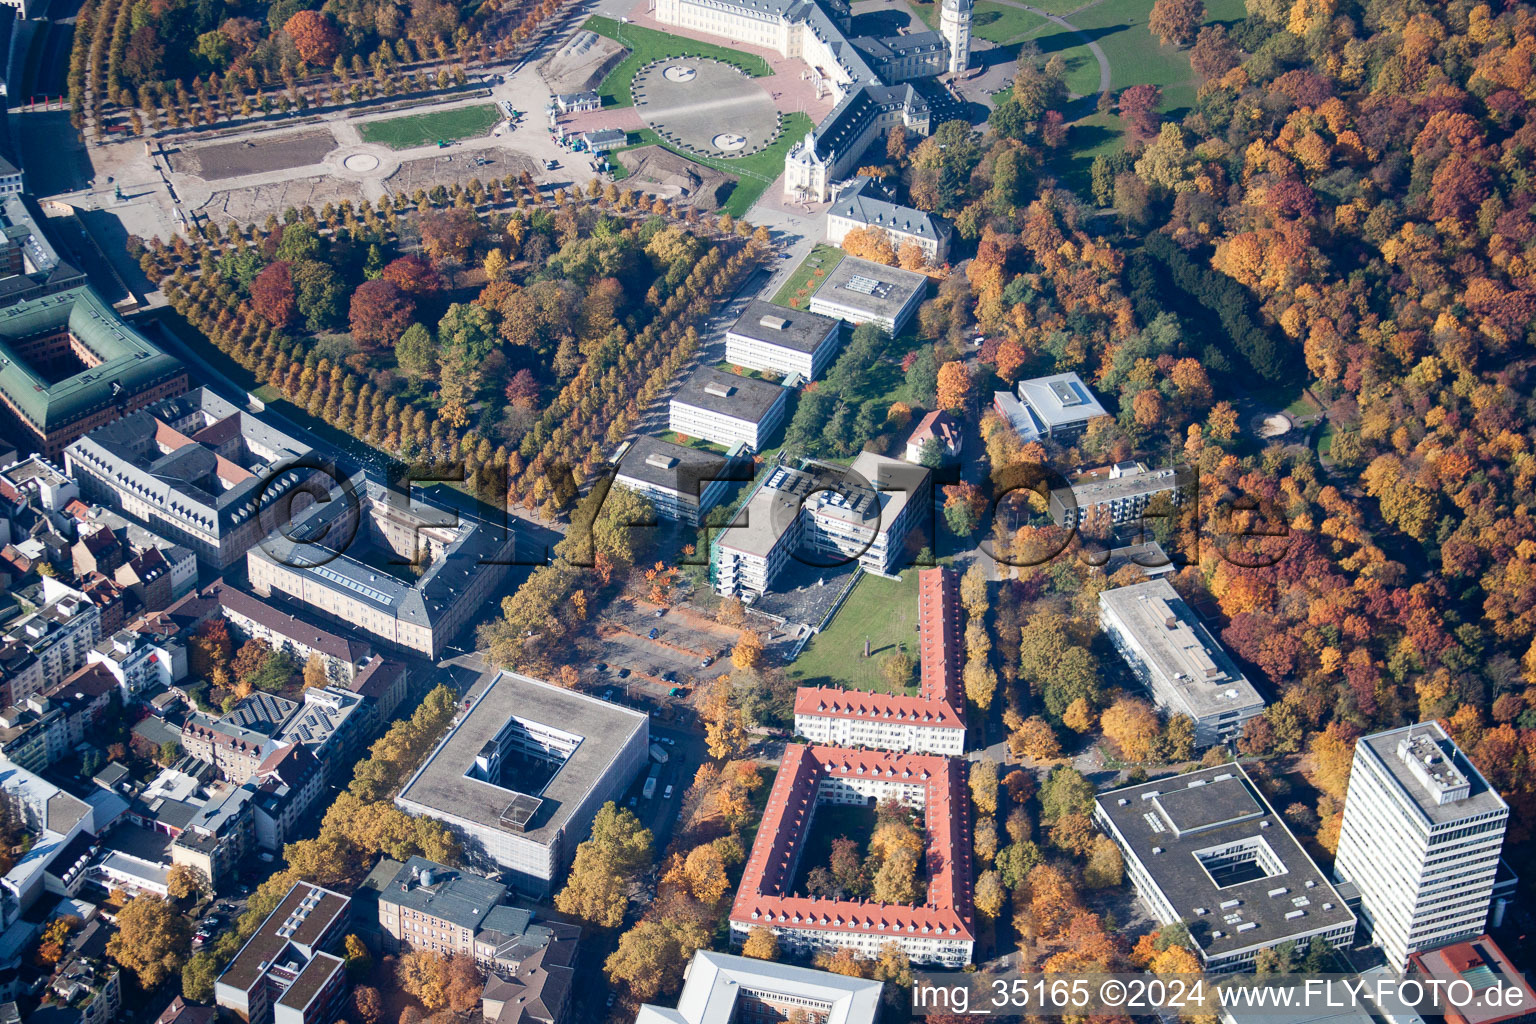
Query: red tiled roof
point(762, 897)
point(941, 697)
point(938, 424)
point(1452, 962)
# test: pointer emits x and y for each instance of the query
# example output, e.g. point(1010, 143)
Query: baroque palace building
point(869, 78)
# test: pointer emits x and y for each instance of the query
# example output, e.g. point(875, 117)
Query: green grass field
point(646, 45)
point(833, 821)
point(883, 610)
point(425, 129)
point(823, 257)
point(1009, 26)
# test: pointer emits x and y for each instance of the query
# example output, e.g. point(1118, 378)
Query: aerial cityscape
point(767, 511)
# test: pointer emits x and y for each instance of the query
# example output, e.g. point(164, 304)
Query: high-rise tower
point(955, 27)
point(1420, 839)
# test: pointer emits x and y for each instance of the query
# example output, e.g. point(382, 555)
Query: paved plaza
point(707, 107)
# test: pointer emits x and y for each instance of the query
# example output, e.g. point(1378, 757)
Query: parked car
point(653, 634)
point(707, 662)
point(660, 612)
point(668, 794)
point(623, 673)
point(602, 666)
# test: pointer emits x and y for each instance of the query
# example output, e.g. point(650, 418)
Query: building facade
point(1114, 496)
point(777, 339)
point(861, 207)
point(940, 931)
point(284, 974)
point(861, 291)
point(682, 483)
point(1420, 839)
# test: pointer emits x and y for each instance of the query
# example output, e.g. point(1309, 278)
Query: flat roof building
point(1110, 497)
point(69, 365)
point(940, 930)
point(284, 974)
point(728, 409)
point(860, 291)
point(197, 468)
point(1206, 848)
point(524, 771)
point(827, 515)
point(681, 482)
point(777, 339)
point(1499, 991)
point(722, 988)
point(1058, 407)
point(1420, 839)
point(1174, 655)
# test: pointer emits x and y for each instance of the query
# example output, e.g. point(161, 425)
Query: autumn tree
point(273, 295)
point(199, 976)
point(725, 724)
point(870, 243)
point(651, 955)
point(152, 940)
point(367, 1004)
point(380, 313)
point(761, 943)
point(1106, 867)
point(954, 387)
point(989, 895)
point(423, 974)
point(413, 275)
point(1176, 21)
point(314, 36)
point(1138, 110)
point(1133, 726)
point(606, 867)
point(315, 673)
point(748, 653)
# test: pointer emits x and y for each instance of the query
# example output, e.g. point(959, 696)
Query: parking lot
point(630, 656)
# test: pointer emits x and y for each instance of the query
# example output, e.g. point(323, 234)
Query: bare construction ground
point(254, 155)
point(255, 203)
point(580, 64)
point(459, 166)
point(660, 171)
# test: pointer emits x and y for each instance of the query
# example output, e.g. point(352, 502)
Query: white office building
point(721, 987)
point(1057, 407)
point(681, 483)
point(777, 339)
point(861, 291)
point(1177, 659)
point(728, 409)
point(1421, 838)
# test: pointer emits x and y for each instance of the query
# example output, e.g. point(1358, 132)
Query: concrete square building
point(196, 468)
point(69, 365)
point(728, 409)
point(1420, 839)
point(682, 483)
point(1207, 849)
point(777, 339)
point(860, 291)
point(524, 771)
point(1174, 655)
point(721, 987)
point(1057, 407)
point(285, 974)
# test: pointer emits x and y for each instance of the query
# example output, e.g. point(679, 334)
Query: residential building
point(428, 906)
point(941, 931)
point(1057, 407)
point(251, 618)
point(933, 722)
point(1499, 992)
point(109, 544)
point(777, 339)
point(10, 174)
point(1420, 840)
point(682, 483)
point(196, 468)
point(30, 267)
point(383, 684)
point(289, 788)
point(1096, 502)
point(719, 987)
point(33, 733)
point(524, 770)
point(56, 819)
point(37, 482)
point(863, 207)
point(1173, 654)
point(825, 515)
point(86, 986)
point(530, 968)
point(1207, 849)
point(284, 974)
point(182, 1012)
point(366, 580)
point(237, 743)
point(146, 654)
point(860, 291)
point(727, 409)
point(84, 696)
point(937, 426)
point(69, 365)
point(59, 635)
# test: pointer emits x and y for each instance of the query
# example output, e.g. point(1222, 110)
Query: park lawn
point(882, 610)
point(646, 45)
point(823, 257)
point(1009, 26)
point(672, 437)
point(423, 129)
